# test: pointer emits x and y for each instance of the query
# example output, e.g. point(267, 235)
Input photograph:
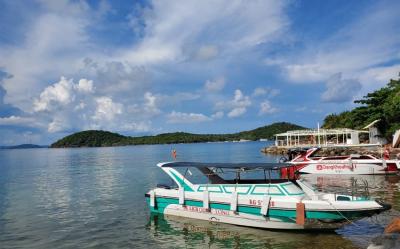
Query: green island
point(98, 138)
point(382, 104)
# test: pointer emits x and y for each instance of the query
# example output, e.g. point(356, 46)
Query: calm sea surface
point(94, 198)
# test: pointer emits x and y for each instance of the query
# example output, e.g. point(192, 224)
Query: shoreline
point(376, 151)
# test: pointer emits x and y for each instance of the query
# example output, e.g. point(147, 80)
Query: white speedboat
point(253, 195)
point(309, 162)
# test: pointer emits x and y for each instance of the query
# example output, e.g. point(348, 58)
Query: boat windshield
point(212, 175)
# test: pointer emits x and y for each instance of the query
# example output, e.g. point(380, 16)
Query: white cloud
point(61, 93)
point(20, 121)
point(238, 106)
point(237, 112)
point(85, 86)
point(181, 117)
point(53, 44)
point(117, 78)
point(267, 108)
point(174, 27)
point(58, 124)
point(359, 48)
point(339, 89)
point(141, 126)
point(217, 115)
point(106, 109)
point(215, 85)
point(58, 93)
point(263, 91)
point(150, 104)
point(260, 91)
point(206, 52)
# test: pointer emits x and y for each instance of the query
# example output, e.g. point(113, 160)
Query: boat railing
point(360, 188)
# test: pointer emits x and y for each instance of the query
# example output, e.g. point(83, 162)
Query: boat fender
point(265, 205)
point(181, 196)
point(234, 201)
point(300, 213)
point(153, 199)
point(206, 200)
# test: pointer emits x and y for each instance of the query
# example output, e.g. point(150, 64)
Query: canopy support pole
point(181, 196)
point(265, 205)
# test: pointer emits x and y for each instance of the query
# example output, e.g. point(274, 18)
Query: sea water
point(94, 198)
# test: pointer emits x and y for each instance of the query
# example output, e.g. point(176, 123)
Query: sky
point(150, 67)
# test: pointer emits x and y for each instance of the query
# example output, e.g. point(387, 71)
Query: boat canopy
point(242, 166)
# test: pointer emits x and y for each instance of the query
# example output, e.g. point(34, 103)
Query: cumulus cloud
point(237, 107)
point(236, 112)
point(67, 106)
point(339, 89)
point(60, 39)
point(215, 85)
point(85, 86)
point(106, 109)
point(181, 117)
point(267, 108)
point(61, 93)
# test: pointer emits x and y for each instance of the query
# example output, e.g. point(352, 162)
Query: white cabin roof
point(372, 124)
point(311, 132)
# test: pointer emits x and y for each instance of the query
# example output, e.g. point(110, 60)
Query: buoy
point(394, 226)
point(173, 154)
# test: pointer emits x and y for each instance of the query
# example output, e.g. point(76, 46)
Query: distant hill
point(24, 146)
point(98, 138)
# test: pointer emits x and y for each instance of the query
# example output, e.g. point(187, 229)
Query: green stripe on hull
point(286, 215)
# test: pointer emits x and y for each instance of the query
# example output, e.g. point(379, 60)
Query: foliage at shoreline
point(96, 138)
point(382, 104)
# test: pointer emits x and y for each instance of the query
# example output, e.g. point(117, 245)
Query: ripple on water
point(94, 198)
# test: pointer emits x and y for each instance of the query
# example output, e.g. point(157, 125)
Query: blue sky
point(148, 67)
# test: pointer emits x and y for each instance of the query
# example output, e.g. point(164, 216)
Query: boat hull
point(250, 216)
point(347, 169)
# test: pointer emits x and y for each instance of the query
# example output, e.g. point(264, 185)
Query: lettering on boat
point(203, 210)
point(255, 202)
point(333, 167)
point(259, 203)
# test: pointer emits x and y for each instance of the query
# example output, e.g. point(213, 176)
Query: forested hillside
point(382, 104)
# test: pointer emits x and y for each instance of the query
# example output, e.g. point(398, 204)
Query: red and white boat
point(308, 162)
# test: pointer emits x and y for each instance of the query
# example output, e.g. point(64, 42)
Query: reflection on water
point(363, 232)
point(379, 186)
point(177, 232)
point(94, 198)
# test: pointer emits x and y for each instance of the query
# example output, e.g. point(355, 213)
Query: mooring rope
point(342, 214)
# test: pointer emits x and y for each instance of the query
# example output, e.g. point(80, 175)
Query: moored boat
point(254, 195)
point(309, 162)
